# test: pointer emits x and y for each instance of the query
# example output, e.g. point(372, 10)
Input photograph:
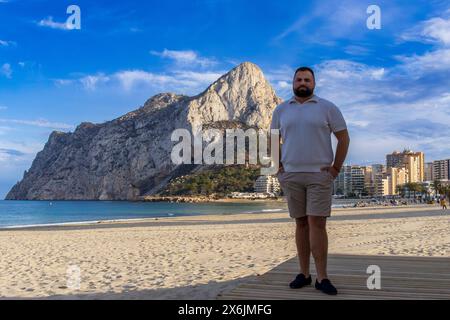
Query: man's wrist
point(338, 169)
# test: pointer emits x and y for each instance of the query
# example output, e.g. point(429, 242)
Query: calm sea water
point(26, 213)
point(31, 213)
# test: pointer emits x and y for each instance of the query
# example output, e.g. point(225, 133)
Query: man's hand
point(280, 169)
point(332, 170)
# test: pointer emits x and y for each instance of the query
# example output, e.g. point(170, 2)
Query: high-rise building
point(428, 171)
point(413, 162)
point(378, 168)
point(396, 177)
point(369, 180)
point(350, 180)
point(441, 169)
point(395, 159)
point(381, 184)
point(357, 173)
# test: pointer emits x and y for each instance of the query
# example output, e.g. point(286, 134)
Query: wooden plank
point(402, 277)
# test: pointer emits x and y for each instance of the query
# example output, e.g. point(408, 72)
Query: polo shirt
point(305, 130)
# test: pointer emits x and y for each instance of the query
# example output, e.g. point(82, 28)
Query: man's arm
point(341, 149)
point(280, 165)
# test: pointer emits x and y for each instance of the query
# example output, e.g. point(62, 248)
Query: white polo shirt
point(305, 130)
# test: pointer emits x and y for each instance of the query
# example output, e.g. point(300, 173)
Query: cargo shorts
point(307, 193)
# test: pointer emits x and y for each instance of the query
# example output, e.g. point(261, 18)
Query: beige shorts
point(307, 193)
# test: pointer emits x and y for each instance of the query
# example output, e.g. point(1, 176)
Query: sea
point(14, 213)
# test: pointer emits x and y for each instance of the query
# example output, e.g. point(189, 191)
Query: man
point(307, 170)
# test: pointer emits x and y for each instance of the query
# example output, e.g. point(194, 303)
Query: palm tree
point(415, 187)
point(436, 185)
point(425, 190)
point(408, 186)
point(445, 190)
point(401, 189)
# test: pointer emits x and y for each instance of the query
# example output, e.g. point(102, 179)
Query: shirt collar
point(314, 98)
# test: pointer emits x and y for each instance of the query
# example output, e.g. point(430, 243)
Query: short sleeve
point(275, 124)
point(336, 119)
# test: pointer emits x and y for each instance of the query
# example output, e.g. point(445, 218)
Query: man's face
point(303, 85)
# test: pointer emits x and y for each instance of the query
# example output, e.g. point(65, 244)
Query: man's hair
point(305, 69)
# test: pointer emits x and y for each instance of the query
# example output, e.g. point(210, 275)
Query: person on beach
point(443, 203)
point(307, 171)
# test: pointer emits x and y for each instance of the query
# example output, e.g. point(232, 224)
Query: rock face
point(129, 157)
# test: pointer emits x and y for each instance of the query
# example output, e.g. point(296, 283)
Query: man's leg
point(319, 244)
point(302, 241)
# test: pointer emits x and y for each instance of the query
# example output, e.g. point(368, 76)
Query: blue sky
point(391, 84)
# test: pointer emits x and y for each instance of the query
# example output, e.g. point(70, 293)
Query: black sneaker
point(326, 287)
point(300, 281)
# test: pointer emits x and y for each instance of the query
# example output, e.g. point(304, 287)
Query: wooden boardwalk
point(402, 277)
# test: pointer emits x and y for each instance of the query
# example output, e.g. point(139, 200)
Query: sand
point(195, 257)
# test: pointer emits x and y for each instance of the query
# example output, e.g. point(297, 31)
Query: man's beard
point(305, 92)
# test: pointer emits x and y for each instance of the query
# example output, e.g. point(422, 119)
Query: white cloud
point(356, 50)
point(439, 29)
point(17, 150)
point(90, 82)
point(434, 30)
point(358, 123)
point(183, 81)
point(182, 56)
point(48, 22)
point(15, 157)
point(185, 57)
point(378, 73)
point(198, 77)
point(6, 70)
point(4, 43)
point(417, 65)
point(5, 129)
point(283, 84)
point(329, 20)
point(281, 80)
point(38, 123)
point(63, 82)
point(177, 81)
point(129, 78)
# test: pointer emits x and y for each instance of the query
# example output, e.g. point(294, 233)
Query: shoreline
point(114, 222)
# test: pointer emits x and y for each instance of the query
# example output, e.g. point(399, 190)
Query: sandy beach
point(196, 257)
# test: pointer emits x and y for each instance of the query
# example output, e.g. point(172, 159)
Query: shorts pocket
point(330, 175)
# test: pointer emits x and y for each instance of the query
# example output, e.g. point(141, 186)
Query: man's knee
point(301, 222)
point(317, 222)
